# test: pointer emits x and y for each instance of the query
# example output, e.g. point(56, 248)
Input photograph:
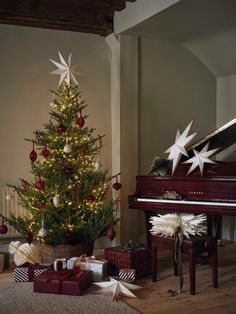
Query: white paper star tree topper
point(201, 158)
point(65, 70)
point(178, 148)
point(117, 287)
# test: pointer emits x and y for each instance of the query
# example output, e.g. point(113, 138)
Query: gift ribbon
point(85, 259)
point(61, 276)
point(32, 268)
point(64, 274)
point(130, 245)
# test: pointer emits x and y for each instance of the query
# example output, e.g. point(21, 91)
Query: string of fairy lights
point(69, 186)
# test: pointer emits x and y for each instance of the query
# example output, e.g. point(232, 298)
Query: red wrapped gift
point(120, 257)
point(27, 272)
point(71, 282)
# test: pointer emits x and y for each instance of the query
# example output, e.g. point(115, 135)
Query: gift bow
point(84, 259)
point(130, 245)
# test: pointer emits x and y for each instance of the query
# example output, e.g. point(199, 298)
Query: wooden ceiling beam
point(92, 16)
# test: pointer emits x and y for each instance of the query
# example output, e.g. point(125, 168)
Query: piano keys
point(210, 195)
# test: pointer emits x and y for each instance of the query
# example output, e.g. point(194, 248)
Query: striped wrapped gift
point(27, 273)
point(127, 275)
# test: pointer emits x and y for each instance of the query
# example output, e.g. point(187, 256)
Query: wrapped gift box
point(28, 271)
point(122, 258)
point(4, 261)
point(70, 282)
point(98, 267)
point(127, 275)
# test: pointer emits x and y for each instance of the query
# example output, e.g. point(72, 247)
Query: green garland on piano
point(160, 167)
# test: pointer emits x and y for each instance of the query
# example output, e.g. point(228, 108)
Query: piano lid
point(221, 138)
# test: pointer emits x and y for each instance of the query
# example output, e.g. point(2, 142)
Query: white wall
point(175, 89)
point(129, 134)
point(137, 12)
point(25, 81)
point(226, 111)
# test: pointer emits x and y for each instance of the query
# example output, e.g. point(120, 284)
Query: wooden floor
point(153, 298)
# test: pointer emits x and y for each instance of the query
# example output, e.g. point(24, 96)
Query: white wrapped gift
point(98, 267)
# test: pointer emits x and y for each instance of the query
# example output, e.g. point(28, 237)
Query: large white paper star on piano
point(178, 149)
point(117, 287)
point(65, 70)
point(201, 158)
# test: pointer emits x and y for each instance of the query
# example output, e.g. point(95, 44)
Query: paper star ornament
point(201, 158)
point(65, 70)
point(117, 287)
point(178, 148)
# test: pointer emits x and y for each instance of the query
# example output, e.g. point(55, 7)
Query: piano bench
point(193, 247)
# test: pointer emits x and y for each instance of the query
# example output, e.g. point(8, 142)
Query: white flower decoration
point(170, 225)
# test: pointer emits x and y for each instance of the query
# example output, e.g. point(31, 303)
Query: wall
point(129, 134)
point(124, 106)
point(25, 81)
point(175, 89)
point(137, 12)
point(226, 111)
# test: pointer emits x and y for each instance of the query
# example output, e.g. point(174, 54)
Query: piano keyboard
point(185, 202)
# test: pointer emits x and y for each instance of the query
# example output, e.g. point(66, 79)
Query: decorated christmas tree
point(66, 200)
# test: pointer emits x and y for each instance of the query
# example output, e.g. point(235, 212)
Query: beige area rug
point(19, 298)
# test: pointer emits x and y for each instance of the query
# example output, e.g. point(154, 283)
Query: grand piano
point(213, 193)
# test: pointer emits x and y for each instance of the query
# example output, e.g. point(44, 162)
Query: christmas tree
point(66, 199)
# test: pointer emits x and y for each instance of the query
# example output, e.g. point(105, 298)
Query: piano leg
point(148, 215)
point(212, 253)
point(154, 263)
point(192, 270)
point(209, 225)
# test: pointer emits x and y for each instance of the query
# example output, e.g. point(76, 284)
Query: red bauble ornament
point(80, 120)
point(111, 233)
point(61, 128)
point(90, 198)
point(33, 154)
point(116, 186)
point(3, 229)
point(45, 152)
point(29, 237)
point(39, 185)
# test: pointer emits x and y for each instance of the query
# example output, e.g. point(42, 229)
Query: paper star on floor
point(117, 287)
point(178, 148)
point(65, 70)
point(201, 158)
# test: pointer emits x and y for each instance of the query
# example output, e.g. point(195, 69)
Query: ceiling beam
point(92, 16)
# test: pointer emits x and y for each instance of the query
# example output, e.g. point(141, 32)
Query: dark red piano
point(213, 194)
